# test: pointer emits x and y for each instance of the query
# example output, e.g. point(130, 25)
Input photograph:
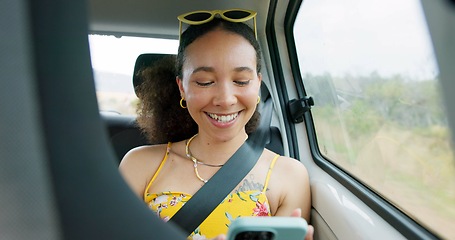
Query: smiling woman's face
point(220, 83)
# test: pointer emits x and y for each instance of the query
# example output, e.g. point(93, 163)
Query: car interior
point(59, 155)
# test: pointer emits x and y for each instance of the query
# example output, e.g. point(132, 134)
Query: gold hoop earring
point(259, 99)
point(181, 103)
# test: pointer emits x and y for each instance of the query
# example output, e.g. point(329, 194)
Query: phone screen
point(255, 235)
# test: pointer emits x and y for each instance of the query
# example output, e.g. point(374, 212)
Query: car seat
point(63, 182)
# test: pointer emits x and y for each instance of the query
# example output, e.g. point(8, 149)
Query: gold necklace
point(196, 161)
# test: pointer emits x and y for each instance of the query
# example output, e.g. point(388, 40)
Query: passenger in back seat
point(200, 113)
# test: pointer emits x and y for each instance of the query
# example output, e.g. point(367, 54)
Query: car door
point(377, 140)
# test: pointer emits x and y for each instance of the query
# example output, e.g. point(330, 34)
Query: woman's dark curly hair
point(159, 113)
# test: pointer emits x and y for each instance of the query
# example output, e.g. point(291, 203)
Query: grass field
point(121, 103)
point(413, 168)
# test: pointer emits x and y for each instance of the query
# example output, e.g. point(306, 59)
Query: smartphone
point(267, 228)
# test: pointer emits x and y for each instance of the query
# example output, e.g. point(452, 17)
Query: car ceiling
point(158, 18)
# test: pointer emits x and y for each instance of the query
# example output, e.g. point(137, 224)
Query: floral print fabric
point(248, 203)
point(240, 203)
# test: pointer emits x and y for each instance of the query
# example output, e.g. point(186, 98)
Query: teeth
point(224, 118)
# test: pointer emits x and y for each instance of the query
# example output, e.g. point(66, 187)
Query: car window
point(378, 114)
point(113, 60)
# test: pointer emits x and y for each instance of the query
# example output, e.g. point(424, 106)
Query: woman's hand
point(219, 237)
point(298, 213)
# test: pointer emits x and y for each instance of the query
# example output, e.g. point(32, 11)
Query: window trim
point(395, 217)
point(277, 69)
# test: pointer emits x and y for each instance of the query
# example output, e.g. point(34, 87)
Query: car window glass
point(113, 60)
point(378, 114)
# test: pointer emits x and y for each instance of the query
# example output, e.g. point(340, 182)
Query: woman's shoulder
point(288, 168)
point(140, 163)
point(290, 176)
point(292, 168)
point(144, 154)
point(286, 163)
point(145, 150)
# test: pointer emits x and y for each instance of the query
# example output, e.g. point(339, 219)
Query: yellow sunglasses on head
point(203, 16)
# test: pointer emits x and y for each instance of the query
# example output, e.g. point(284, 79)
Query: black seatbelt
point(204, 201)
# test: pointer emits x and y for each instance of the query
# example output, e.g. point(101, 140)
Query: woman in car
point(204, 119)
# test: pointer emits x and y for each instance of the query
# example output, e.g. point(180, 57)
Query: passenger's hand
point(219, 237)
point(298, 213)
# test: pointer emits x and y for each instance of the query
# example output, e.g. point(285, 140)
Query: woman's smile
point(222, 120)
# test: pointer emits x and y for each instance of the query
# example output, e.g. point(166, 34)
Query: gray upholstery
point(59, 179)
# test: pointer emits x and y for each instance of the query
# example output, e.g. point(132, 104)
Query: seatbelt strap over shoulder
point(199, 207)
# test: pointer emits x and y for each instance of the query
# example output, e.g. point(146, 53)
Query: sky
point(337, 36)
point(118, 55)
point(362, 36)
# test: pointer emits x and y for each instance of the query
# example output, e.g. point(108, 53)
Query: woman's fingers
point(296, 213)
point(310, 232)
point(220, 237)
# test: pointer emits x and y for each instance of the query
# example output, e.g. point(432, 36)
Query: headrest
point(145, 60)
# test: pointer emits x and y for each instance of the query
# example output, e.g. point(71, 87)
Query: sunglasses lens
point(236, 14)
point(198, 16)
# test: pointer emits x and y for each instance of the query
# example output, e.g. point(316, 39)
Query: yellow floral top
point(236, 204)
